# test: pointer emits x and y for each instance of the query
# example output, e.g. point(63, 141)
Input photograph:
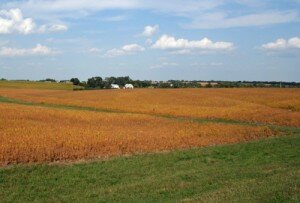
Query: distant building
point(114, 86)
point(66, 81)
point(203, 84)
point(128, 86)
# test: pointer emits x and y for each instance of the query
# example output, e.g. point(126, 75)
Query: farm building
point(203, 84)
point(114, 86)
point(128, 86)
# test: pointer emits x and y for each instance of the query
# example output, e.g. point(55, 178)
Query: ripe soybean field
point(39, 126)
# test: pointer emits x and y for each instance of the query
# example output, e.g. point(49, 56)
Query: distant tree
point(95, 82)
point(123, 80)
point(208, 85)
point(116, 80)
point(164, 85)
point(48, 80)
point(142, 84)
point(83, 83)
point(110, 80)
point(75, 81)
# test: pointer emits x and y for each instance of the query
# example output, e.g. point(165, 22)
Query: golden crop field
point(145, 120)
point(269, 106)
point(30, 134)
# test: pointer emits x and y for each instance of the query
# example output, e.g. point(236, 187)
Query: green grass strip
point(261, 171)
point(37, 85)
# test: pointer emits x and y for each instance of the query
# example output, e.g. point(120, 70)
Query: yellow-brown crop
point(37, 134)
point(271, 106)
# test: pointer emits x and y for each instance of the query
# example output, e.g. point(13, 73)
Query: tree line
point(98, 82)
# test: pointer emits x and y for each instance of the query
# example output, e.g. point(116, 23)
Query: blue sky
point(159, 40)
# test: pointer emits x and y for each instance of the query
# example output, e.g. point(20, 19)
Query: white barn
point(128, 86)
point(114, 86)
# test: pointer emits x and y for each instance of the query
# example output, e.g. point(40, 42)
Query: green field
point(36, 85)
point(264, 171)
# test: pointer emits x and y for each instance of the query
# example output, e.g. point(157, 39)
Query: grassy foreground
point(267, 170)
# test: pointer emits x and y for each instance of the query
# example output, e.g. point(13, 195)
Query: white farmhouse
point(114, 86)
point(128, 86)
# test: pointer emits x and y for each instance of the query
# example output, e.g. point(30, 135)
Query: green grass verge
point(36, 85)
point(263, 171)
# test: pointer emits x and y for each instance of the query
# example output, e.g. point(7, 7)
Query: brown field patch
point(31, 134)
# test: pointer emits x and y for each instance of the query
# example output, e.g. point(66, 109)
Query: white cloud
point(52, 28)
point(39, 50)
point(114, 18)
point(203, 65)
point(150, 30)
point(282, 44)
point(278, 44)
point(294, 42)
point(177, 6)
point(95, 50)
point(221, 19)
point(184, 46)
point(12, 21)
point(182, 52)
point(204, 14)
point(125, 50)
point(133, 48)
point(163, 65)
point(148, 41)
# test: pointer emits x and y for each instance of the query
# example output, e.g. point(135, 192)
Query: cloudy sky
point(150, 39)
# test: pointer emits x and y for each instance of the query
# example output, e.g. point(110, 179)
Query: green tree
point(75, 81)
point(95, 82)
